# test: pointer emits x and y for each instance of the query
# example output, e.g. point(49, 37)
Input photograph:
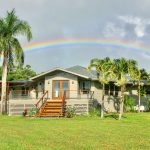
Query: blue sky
point(58, 19)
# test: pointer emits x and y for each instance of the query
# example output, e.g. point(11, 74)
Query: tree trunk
point(102, 105)
point(139, 96)
point(4, 86)
point(121, 102)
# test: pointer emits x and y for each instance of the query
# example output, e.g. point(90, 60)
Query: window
point(106, 89)
point(85, 86)
point(25, 91)
point(111, 89)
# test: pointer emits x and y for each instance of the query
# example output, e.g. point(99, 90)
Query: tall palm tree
point(124, 69)
point(10, 49)
point(121, 70)
point(104, 70)
point(138, 75)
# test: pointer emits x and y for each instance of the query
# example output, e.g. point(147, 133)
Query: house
point(81, 88)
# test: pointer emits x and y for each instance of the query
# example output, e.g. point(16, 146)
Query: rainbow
point(88, 42)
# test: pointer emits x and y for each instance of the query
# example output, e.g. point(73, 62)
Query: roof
point(75, 71)
point(83, 71)
point(17, 81)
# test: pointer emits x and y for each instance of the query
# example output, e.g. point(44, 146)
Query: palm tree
point(121, 70)
point(104, 69)
point(144, 74)
point(124, 70)
point(138, 75)
point(10, 49)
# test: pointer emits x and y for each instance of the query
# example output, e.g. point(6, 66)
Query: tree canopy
point(121, 71)
point(19, 73)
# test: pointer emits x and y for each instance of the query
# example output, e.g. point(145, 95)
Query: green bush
point(70, 112)
point(129, 103)
point(94, 112)
point(32, 112)
point(147, 103)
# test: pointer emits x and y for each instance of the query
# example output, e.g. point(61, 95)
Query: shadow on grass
point(113, 115)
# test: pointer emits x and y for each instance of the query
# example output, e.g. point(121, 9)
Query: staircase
point(52, 108)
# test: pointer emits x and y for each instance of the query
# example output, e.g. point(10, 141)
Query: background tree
point(10, 49)
point(21, 73)
point(144, 74)
point(104, 69)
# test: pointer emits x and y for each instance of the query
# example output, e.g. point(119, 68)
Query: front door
point(59, 86)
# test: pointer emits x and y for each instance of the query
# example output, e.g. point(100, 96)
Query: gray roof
point(17, 81)
point(83, 71)
point(77, 73)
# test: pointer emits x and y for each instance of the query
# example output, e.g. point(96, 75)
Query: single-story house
point(83, 91)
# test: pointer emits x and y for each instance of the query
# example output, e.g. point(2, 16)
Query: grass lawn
point(81, 133)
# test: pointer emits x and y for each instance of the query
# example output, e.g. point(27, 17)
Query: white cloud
point(140, 30)
point(140, 24)
point(112, 30)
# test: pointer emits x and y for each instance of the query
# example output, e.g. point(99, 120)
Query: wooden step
point(49, 110)
point(52, 104)
point(52, 108)
point(55, 101)
point(50, 114)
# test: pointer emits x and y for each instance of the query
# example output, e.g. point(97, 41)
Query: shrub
point(147, 103)
point(129, 103)
point(94, 112)
point(70, 112)
point(32, 112)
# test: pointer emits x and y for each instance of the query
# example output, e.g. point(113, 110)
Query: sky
point(124, 20)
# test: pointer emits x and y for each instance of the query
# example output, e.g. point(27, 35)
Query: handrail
point(41, 99)
point(64, 97)
point(63, 102)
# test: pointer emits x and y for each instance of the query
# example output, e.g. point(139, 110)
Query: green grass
point(81, 133)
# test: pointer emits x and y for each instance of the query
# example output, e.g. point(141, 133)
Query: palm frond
point(22, 28)
point(18, 51)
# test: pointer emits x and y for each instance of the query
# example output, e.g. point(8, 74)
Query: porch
point(20, 100)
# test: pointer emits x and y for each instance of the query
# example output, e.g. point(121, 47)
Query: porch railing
point(42, 100)
point(25, 94)
point(63, 103)
point(35, 95)
point(79, 94)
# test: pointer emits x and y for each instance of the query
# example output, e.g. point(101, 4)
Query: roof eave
point(59, 69)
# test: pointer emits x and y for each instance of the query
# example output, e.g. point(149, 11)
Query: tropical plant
point(142, 91)
point(32, 112)
point(147, 103)
point(10, 49)
point(124, 70)
point(104, 69)
point(139, 75)
point(144, 74)
point(94, 112)
point(21, 73)
point(70, 112)
point(129, 103)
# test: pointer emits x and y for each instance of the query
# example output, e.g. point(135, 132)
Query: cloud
point(140, 24)
point(112, 30)
point(127, 26)
point(61, 19)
